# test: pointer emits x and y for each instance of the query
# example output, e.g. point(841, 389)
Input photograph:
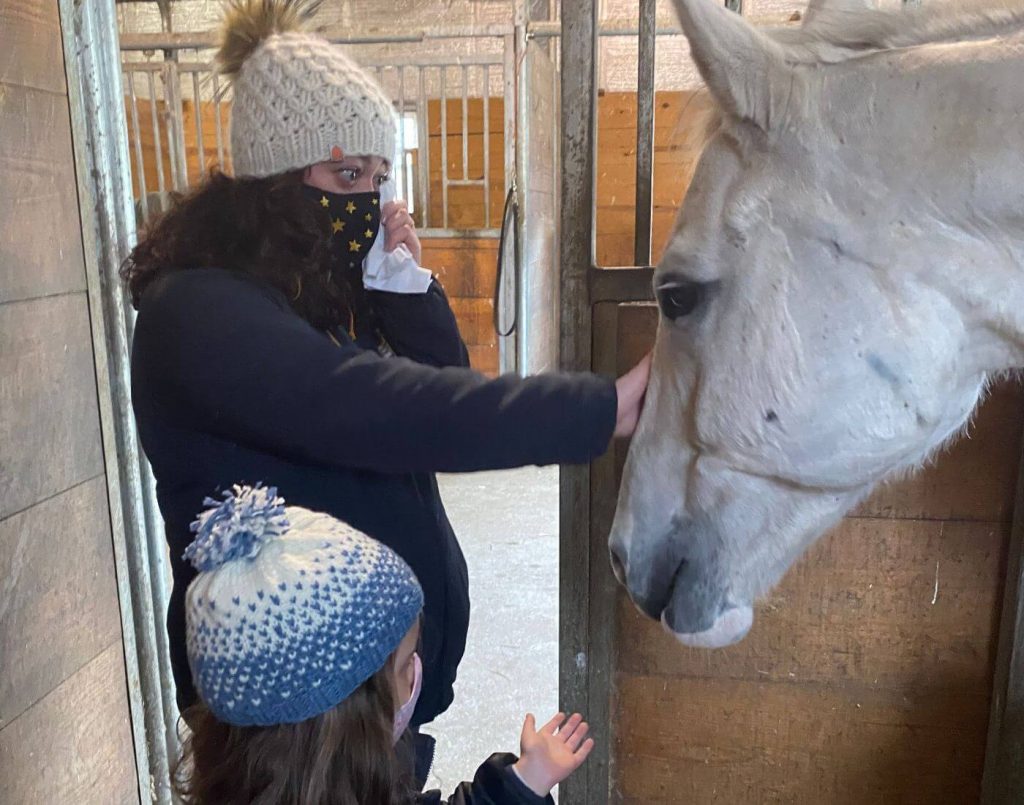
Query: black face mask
point(355, 220)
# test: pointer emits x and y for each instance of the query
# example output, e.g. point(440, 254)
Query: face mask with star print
point(355, 221)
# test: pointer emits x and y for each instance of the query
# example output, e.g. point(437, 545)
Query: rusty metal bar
point(645, 133)
point(579, 139)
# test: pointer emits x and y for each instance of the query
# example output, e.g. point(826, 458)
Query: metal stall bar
point(175, 130)
point(205, 40)
point(136, 142)
point(161, 183)
point(465, 122)
point(423, 124)
point(219, 125)
point(197, 106)
point(487, 143)
point(645, 132)
point(508, 74)
point(444, 147)
point(579, 123)
point(402, 157)
point(96, 105)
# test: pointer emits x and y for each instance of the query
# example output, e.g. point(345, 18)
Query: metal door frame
point(101, 160)
point(588, 337)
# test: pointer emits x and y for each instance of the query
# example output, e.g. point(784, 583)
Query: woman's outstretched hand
point(552, 753)
point(631, 388)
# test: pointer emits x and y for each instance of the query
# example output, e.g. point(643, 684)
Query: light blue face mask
point(404, 714)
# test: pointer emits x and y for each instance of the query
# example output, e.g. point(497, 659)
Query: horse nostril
point(618, 566)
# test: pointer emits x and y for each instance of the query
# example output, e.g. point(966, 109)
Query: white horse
point(846, 275)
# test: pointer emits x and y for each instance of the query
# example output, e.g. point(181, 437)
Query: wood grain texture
point(856, 612)
point(1003, 781)
point(466, 267)
point(31, 54)
point(475, 320)
point(57, 573)
point(721, 740)
point(679, 125)
point(40, 241)
point(75, 745)
point(49, 431)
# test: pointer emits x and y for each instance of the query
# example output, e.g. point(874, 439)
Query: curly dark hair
point(265, 227)
point(342, 757)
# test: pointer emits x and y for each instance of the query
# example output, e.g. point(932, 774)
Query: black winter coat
point(230, 385)
point(494, 784)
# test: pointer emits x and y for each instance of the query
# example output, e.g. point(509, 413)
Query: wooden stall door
point(64, 714)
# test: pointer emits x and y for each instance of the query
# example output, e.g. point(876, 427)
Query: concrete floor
point(507, 523)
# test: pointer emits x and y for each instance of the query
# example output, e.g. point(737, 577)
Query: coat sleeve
point(421, 326)
point(229, 357)
point(494, 784)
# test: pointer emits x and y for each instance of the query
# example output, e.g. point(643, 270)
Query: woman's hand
point(631, 388)
point(554, 752)
point(399, 228)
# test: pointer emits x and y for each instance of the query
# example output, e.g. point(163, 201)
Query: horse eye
point(681, 298)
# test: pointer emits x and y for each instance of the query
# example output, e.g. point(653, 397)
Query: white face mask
point(404, 714)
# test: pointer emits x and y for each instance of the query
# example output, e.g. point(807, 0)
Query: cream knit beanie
point(298, 100)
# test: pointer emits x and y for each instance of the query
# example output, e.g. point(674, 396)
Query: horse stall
point(885, 667)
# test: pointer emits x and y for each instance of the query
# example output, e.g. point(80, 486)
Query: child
point(301, 636)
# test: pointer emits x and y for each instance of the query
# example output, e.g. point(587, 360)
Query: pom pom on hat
point(236, 527)
point(249, 23)
point(291, 609)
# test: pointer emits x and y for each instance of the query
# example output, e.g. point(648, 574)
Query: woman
point(259, 355)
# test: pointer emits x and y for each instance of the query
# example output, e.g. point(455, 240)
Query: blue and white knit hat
point(292, 610)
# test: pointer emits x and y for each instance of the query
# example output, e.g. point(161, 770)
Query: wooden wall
point(64, 728)
point(868, 674)
point(679, 121)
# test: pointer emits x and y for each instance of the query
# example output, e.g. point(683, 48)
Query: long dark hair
point(342, 757)
point(264, 227)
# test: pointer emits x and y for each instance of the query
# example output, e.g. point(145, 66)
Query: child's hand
point(549, 756)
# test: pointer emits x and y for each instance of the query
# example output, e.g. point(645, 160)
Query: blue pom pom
point(236, 527)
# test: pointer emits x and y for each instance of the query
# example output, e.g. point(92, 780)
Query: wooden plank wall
point(64, 721)
point(868, 673)
point(679, 122)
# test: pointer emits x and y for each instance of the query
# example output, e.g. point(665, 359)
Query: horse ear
point(745, 70)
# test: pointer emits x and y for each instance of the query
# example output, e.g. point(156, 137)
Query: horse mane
point(835, 34)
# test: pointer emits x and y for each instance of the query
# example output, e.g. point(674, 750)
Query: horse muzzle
point(679, 583)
